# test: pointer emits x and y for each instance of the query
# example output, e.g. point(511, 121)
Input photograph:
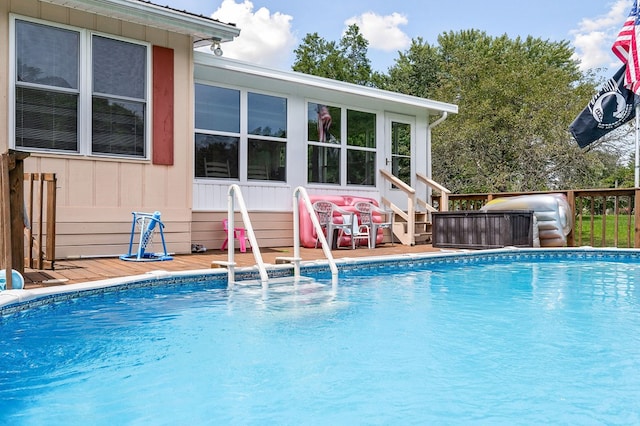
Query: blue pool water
point(544, 341)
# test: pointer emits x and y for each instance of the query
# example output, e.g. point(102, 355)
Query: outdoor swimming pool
point(501, 339)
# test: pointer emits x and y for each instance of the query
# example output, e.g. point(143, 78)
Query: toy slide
point(552, 215)
point(346, 202)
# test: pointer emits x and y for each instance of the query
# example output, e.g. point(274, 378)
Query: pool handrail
point(301, 193)
point(234, 193)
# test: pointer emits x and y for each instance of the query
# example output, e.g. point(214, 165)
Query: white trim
point(292, 77)
point(145, 13)
point(84, 91)
point(243, 136)
point(343, 146)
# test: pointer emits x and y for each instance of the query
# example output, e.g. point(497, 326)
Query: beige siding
point(112, 238)
point(95, 195)
point(273, 229)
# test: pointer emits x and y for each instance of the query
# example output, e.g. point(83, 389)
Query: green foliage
point(516, 99)
point(623, 239)
point(416, 72)
point(345, 61)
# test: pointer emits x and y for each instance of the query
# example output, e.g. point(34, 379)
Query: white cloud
point(616, 16)
point(382, 32)
point(592, 49)
point(265, 38)
point(594, 37)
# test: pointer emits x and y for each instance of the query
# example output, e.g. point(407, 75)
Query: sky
point(272, 29)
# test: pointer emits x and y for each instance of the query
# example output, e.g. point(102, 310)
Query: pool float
point(17, 280)
point(345, 202)
point(551, 211)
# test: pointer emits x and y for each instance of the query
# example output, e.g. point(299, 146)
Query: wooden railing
point(28, 216)
point(405, 224)
point(443, 200)
point(594, 212)
point(405, 235)
point(40, 206)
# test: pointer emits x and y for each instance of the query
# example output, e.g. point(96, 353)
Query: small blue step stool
point(147, 224)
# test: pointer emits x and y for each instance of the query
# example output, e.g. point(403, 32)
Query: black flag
point(610, 108)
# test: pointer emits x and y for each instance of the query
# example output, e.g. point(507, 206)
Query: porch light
point(215, 48)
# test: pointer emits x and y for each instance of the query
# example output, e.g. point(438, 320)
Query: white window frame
point(244, 136)
point(85, 91)
point(343, 146)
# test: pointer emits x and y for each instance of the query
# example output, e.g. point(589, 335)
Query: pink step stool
point(239, 234)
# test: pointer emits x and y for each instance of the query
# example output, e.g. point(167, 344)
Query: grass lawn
point(625, 231)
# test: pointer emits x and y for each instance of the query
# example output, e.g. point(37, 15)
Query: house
point(115, 98)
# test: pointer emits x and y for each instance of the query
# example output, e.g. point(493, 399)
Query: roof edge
point(147, 13)
point(206, 59)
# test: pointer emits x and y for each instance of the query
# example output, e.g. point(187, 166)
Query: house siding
point(96, 196)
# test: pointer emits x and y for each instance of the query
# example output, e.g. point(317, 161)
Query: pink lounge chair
point(239, 234)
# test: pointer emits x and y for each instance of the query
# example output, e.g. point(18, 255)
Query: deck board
point(71, 271)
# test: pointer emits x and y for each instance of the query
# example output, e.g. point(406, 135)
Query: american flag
point(627, 50)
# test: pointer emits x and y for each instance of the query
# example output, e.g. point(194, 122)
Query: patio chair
point(216, 169)
point(375, 218)
point(239, 234)
point(257, 172)
point(356, 231)
point(328, 221)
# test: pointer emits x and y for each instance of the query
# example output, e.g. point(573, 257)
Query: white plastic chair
point(356, 231)
point(325, 211)
point(375, 218)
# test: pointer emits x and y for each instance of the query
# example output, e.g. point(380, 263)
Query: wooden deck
point(71, 271)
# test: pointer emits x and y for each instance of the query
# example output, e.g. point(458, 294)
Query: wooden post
point(51, 219)
point(12, 214)
point(5, 218)
point(571, 199)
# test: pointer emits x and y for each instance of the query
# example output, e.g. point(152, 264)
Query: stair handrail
point(233, 193)
point(411, 202)
point(301, 193)
point(444, 192)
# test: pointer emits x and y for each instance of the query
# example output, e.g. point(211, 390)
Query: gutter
point(439, 120)
point(144, 12)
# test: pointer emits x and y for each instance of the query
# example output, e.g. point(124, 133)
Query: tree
point(516, 99)
point(344, 61)
point(416, 72)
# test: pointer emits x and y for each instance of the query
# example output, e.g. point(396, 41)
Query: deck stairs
point(418, 231)
point(413, 225)
point(422, 228)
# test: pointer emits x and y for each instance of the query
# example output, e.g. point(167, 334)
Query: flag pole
point(637, 168)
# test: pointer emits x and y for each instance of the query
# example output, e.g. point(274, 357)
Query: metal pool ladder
point(300, 193)
point(234, 193)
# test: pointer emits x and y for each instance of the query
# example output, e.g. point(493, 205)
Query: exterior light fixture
point(215, 48)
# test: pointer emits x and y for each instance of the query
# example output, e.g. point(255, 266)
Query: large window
point(326, 149)
point(222, 135)
point(63, 105)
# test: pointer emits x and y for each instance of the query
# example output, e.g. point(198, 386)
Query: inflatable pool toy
point(308, 236)
point(552, 214)
point(17, 280)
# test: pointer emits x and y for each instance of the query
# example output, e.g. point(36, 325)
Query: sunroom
point(270, 131)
